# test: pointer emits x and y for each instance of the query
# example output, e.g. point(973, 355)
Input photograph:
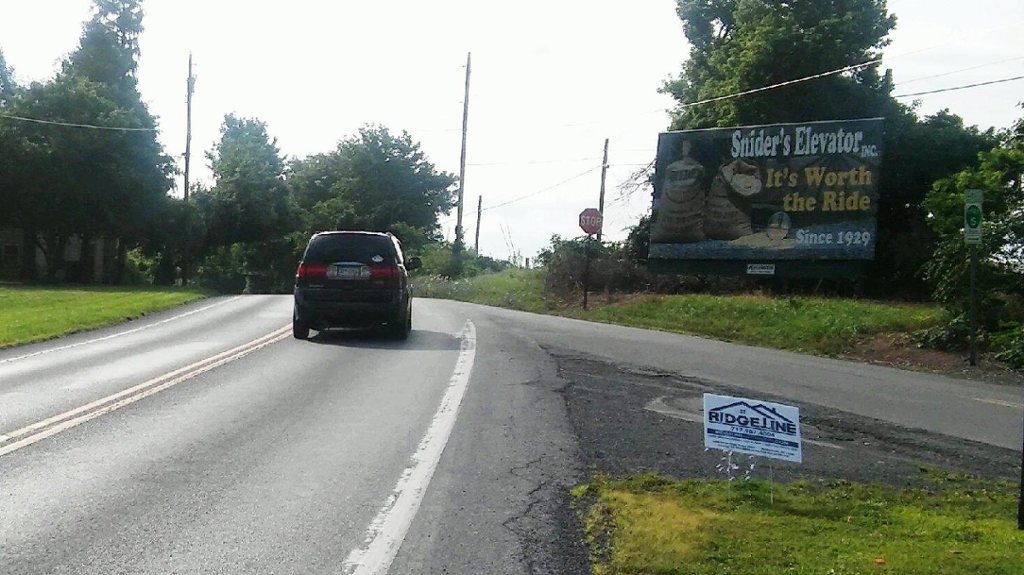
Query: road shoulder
point(499, 499)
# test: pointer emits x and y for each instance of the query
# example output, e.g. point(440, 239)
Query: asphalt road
point(206, 439)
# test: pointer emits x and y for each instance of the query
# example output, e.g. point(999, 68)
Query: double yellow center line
point(19, 438)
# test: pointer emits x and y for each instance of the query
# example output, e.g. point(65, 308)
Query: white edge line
point(249, 348)
point(999, 402)
point(389, 527)
point(115, 335)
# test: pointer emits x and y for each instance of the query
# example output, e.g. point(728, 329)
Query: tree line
point(245, 231)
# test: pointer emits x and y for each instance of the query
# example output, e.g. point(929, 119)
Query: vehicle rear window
point(336, 248)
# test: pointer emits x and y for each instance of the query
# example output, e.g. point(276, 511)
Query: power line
point(531, 194)
point(532, 162)
point(964, 87)
point(73, 125)
point(911, 81)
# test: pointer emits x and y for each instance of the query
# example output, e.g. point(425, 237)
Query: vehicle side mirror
point(414, 264)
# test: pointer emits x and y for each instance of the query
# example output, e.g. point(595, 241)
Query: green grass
point(514, 289)
point(649, 524)
point(810, 324)
point(827, 326)
point(35, 313)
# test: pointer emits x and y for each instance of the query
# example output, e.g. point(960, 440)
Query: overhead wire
point(531, 194)
point(951, 72)
point(526, 162)
point(964, 87)
point(74, 125)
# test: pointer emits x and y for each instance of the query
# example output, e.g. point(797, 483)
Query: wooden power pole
point(459, 232)
point(187, 258)
point(604, 176)
point(188, 123)
point(479, 212)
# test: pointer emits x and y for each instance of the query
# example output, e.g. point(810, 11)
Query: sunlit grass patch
point(649, 524)
point(36, 313)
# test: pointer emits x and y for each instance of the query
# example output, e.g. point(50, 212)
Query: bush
point(611, 267)
point(1012, 345)
point(951, 336)
point(437, 261)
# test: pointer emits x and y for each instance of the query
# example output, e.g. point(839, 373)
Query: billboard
point(764, 195)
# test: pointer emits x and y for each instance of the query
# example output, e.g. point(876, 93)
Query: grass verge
point(36, 313)
point(827, 326)
point(649, 524)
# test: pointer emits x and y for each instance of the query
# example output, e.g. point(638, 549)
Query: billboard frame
point(783, 267)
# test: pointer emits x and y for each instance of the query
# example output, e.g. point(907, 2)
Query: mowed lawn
point(649, 524)
point(36, 313)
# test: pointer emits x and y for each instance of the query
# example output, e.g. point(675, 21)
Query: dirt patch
point(900, 351)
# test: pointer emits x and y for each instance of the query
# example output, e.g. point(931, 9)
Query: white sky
point(551, 79)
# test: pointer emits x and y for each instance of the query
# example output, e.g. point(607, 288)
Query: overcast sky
point(550, 80)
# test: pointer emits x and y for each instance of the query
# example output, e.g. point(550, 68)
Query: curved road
point(206, 439)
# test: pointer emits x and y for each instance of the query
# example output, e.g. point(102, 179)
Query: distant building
point(12, 248)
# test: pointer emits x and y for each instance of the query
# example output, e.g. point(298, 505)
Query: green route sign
point(972, 217)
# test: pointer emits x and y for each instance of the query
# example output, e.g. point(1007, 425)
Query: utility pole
point(479, 211)
point(604, 176)
point(459, 232)
point(187, 258)
point(188, 123)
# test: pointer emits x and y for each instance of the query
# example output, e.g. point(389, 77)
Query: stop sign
point(591, 221)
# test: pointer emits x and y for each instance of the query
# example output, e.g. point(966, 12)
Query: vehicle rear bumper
point(321, 313)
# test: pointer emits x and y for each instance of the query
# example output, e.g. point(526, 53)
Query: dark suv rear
point(353, 279)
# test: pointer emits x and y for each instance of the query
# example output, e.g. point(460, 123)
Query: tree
point(374, 181)
point(249, 200)
point(108, 52)
point(1000, 257)
point(917, 153)
point(7, 84)
point(739, 45)
point(90, 183)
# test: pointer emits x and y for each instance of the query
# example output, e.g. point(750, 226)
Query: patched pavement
point(630, 419)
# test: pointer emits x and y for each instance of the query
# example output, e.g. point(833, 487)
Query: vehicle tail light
point(311, 271)
point(384, 271)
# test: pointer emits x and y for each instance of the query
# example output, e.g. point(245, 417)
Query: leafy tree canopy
point(7, 84)
point(739, 45)
point(249, 200)
point(109, 49)
point(375, 180)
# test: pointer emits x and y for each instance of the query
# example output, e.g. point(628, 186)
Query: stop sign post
point(590, 222)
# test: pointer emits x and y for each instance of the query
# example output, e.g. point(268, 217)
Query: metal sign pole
point(1020, 496)
point(973, 216)
point(973, 312)
point(586, 271)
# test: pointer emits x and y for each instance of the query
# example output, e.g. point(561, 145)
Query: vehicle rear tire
point(300, 329)
point(401, 327)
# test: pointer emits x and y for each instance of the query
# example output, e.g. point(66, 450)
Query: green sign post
point(972, 238)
